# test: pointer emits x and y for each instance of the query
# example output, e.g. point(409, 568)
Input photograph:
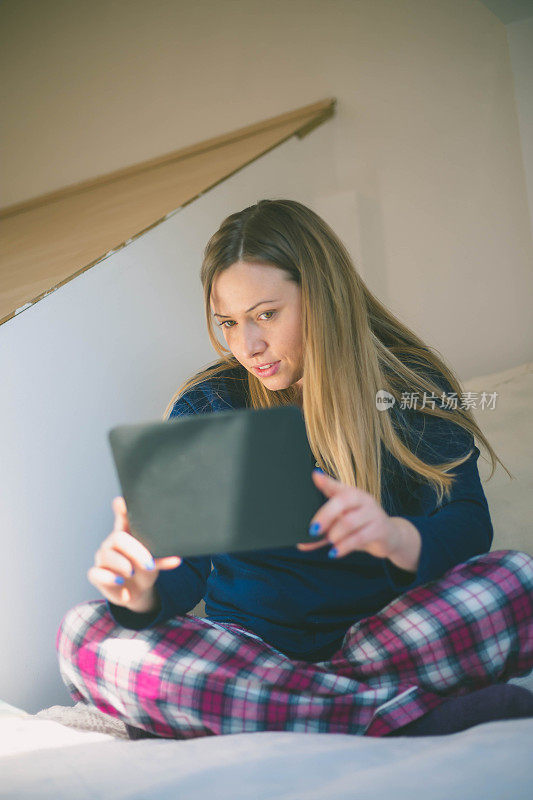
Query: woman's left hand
point(352, 520)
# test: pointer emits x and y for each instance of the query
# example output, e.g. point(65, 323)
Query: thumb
point(168, 562)
point(121, 515)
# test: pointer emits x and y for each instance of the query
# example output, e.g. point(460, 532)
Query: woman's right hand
point(124, 570)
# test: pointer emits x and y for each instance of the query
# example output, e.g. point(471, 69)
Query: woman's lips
point(266, 372)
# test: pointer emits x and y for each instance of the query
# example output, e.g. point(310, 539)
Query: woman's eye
point(224, 324)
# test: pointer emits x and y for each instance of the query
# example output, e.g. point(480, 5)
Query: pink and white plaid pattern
point(190, 677)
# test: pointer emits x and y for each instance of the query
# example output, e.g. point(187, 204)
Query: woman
point(397, 619)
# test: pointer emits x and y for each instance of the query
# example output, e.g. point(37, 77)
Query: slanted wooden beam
point(49, 240)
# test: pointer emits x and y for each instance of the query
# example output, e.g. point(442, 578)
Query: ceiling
point(510, 10)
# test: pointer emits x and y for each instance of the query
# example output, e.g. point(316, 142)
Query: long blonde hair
point(353, 346)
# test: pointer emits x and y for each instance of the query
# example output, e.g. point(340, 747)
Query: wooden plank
point(48, 241)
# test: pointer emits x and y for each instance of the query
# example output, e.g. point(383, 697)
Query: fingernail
point(314, 529)
point(132, 571)
point(333, 553)
point(318, 469)
point(119, 579)
point(150, 564)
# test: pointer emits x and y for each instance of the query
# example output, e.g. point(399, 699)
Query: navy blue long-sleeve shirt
point(302, 603)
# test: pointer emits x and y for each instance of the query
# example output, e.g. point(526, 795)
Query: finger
point(121, 515)
point(331, 486)
point(312, 545)
point(349, 523)
point(105, 579)
point(125, 595)
point(346, 499)
point(111, 559)
point(169, 562)
point(132, 548)
point(351, 544)
point(327, 485)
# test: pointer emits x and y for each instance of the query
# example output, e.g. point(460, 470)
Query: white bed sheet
point(43, 759)
point(490, 761)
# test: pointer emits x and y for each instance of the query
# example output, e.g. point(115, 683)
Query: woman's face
point(270, 332)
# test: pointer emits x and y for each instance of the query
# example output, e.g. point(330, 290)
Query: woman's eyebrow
point(250, 309)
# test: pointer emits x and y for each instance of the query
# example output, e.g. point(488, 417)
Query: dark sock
point(139, 733)
point(495, 702)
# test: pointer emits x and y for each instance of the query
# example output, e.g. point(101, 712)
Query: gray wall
point(427, 140)
point(109, 347)
point(520, 38)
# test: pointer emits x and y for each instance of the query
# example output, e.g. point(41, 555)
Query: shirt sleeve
point(180, 589)
point(458, 529)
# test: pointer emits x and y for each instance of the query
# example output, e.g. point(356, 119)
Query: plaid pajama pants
point(190, 677)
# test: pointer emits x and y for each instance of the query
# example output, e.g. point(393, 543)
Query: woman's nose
point(253, 345)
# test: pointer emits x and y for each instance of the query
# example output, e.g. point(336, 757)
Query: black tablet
point(219, 482)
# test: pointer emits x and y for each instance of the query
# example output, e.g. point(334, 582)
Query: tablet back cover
point(220, 482)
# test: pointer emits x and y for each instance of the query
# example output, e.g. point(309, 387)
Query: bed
point(66, 752)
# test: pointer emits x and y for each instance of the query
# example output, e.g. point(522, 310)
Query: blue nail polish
point(333, 553)
point(319, 469)
point(119, 579)
point(150, 564)
point(314, 529)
